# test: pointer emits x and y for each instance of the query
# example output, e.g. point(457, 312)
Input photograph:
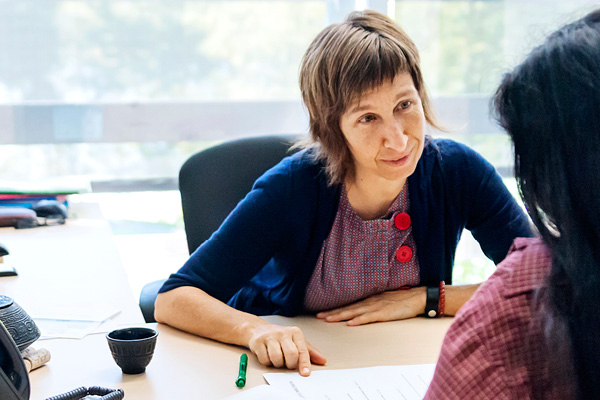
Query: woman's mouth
point(398, 161)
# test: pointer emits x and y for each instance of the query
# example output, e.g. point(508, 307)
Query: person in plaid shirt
point(532, 330)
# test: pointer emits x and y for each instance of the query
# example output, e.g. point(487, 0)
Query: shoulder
point(468, 181)
point(525, 269)
point(502, 308)
point(298, 167)
point(486, 350)
point(455, 163)
point(499, 322)
point(299, 180)
point(452, 154)
point(297, 174)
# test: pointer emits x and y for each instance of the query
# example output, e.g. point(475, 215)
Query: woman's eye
point(405, 104)
point(367, 118)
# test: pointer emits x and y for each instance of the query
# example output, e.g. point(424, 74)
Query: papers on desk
point(72, 322)
point(381, 383)
point(262, 392)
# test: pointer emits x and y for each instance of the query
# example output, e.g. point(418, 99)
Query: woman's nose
point(394, 136)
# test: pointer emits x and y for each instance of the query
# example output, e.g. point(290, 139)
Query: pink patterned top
point(361, 258)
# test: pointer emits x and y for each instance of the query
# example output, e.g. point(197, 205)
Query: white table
point(65, 264)
point(189, 367)
point(78, 262)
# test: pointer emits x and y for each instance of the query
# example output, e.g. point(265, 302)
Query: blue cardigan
point(262, 257)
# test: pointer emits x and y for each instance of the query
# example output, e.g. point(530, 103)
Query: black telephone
point(14, 380)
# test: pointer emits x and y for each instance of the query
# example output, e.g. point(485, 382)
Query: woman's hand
point(284, 346)
point(386, 306)
point(192, 310)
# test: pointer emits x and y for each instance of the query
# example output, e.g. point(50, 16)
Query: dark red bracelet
point(442, 301)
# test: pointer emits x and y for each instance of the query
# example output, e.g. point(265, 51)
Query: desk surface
point(77, 261)
point(186, 366)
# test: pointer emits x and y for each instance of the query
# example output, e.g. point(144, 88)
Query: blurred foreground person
point(533, 329)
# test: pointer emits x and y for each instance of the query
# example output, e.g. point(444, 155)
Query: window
point(120, 92)
point(113, 89)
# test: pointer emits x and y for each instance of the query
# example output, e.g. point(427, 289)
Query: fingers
point(307, 353)
point(291, 353)
point(385, 306)
point(285, 347)
point(328, 315)
point(275, 353)
point(304, 366)
point(261, 353)
point(367, 318)
point(316, 357)
point(345, 313)
point(358, 316)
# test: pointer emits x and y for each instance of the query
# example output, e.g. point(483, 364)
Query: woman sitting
point(371, 206)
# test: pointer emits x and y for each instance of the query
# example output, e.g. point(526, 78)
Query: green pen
point(241, 380)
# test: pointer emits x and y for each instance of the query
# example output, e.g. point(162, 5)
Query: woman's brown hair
point(344, 61)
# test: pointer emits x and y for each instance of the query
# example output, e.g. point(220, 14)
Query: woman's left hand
point(386, 306)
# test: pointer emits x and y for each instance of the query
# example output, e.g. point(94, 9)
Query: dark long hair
point(550, 106)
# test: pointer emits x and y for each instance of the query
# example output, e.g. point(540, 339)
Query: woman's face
point(385, 130)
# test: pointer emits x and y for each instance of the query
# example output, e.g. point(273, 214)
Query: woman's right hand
point(283, 346)
point(192, 310)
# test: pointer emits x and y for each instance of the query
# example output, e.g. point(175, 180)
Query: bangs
point(344, 62)
point(373, 61)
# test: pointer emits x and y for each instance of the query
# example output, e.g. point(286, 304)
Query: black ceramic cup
point(132, 348)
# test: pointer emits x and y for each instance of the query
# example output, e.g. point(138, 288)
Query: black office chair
point(211, 183)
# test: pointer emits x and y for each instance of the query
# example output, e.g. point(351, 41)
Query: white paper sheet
point(262, 392)
point(382, 383)
point(72, 322)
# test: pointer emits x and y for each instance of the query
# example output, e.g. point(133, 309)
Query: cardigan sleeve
point(243, 244)
point(490, 211)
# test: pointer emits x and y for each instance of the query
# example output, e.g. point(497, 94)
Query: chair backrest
point(213, 181)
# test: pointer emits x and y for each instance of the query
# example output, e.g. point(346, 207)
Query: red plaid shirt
point(495, 347)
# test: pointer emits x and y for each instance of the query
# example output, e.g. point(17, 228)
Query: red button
point(404, 254)
point(402, 221)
